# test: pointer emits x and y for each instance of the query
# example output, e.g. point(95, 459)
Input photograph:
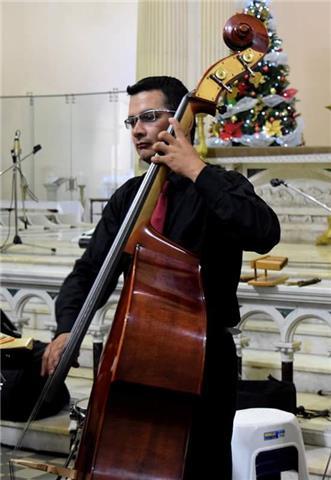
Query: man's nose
point(138, 128)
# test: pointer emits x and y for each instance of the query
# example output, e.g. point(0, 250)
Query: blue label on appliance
point(274, 434)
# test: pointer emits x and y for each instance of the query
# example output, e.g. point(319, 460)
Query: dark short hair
point(172, 88)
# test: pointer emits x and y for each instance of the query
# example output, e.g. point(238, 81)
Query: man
point(211, 212)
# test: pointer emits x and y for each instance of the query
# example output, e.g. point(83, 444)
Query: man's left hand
point(177, 152)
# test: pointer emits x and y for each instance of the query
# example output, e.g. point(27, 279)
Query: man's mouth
point(143, 146)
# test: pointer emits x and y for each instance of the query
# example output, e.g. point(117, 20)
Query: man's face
point(144, 134)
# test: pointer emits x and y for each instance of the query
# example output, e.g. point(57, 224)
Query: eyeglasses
point(148, 116)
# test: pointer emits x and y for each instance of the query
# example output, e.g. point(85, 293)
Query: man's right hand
point(52, 354)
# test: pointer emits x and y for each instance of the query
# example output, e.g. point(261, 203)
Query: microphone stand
point(325, 238)
point(16, 167)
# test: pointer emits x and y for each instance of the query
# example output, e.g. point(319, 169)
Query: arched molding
point(99, 328)
point(15, 305)
point(100, 315)
point(8, 297)
point(247, 311)
point(22, 297)
point(299, 315)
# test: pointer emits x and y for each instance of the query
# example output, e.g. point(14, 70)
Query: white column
point(214, 15)
point(181, 38)
point(162, 38)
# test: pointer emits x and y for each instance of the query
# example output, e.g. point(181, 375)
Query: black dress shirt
point(217, 217)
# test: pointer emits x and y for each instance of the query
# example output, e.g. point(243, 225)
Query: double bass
point(150, 373)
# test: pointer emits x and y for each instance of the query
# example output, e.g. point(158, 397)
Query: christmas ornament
point(231, 130)
point(289, 93)
point(257, 110)
point(273, 129)
point(257, 79)
point(242, 87)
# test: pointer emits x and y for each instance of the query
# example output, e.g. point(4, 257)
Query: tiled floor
point(22, 473)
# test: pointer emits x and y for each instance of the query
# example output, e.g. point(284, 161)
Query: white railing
point(286, 306)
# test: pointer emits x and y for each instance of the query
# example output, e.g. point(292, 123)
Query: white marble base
point(40, 436)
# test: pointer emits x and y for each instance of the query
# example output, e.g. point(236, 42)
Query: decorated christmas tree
point(260, 111)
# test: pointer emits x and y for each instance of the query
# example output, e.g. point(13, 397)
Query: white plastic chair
point(266, 442)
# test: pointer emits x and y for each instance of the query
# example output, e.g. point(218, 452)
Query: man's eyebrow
point(143, 111)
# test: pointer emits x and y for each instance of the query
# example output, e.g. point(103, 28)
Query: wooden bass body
point(151, 370)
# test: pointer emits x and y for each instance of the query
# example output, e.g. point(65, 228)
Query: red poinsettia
point(231, 130)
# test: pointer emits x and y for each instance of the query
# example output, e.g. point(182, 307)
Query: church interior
point(64, 151)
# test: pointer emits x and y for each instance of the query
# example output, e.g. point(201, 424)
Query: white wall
point(1, 48)
point(1, 73)
point(305, 28)
point(63, 47)
point(68, 47)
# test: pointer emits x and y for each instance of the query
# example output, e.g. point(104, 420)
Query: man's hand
point(52, 354)
point(178, 153)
